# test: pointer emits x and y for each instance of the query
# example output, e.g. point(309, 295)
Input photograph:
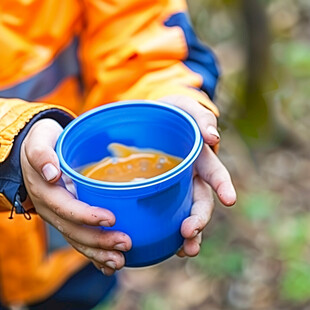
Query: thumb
point(39, 149)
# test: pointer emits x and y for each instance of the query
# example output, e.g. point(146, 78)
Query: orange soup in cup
point(130, 164)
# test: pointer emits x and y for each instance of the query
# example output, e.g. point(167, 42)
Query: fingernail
point(195, 233)
point(105, 223)
point(120, 247)
point(49, 172)
point(102, 270)
point(212, 131)
point(111, 264)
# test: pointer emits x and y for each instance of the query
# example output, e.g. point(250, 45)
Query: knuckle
point(102, 240)
point(118, 258)
point(102, 256)
point(90, 253)
point(213, 174)
point(34, 191)
point(108, 239)
point(36, 152)
point(211, 118)
point(202, 221)
point(59, 211)
point(66, 233)
point(97, 240)
point(81, 248)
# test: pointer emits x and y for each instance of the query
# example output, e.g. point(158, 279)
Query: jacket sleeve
point(16, 118)
point(139, 49)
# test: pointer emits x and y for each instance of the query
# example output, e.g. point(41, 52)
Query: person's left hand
point(209, 173)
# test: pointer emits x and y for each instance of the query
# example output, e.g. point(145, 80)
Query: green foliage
point(217, 258)
point(295, 283)
point(154, 302)
point(292, 236)
point(258, 206)
point(294, 56)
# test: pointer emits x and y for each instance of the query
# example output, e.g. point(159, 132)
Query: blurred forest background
point(255, 255)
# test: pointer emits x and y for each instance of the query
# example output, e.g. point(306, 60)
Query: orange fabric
point(128, 65)
point(32, 33)
point(15, 113)
point(27, 274)
point(144, 59)
point(126, 53)
point(5, 205)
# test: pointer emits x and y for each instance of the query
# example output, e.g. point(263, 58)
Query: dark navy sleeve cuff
point(200, 58)
point(11, 179)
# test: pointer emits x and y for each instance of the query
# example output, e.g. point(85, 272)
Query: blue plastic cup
point(150, 211)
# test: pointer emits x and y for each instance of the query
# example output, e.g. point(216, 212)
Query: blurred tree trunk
point(254, 120)
point(258, 43)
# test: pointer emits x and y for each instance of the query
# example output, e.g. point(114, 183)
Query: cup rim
point(186, 162)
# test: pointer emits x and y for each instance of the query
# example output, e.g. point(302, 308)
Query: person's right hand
point(78, 222)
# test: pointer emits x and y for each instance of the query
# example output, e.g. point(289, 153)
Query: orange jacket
point(74, 55)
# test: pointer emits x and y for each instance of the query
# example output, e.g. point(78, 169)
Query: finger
point(68, 184)
point(111, 259)
point(61, 202)
point(205, 119)
point(88, 236)
point(211, 170)
point(54, 200)
point(191, 247)
point(39, 149)
point(27, 204)
point(181, 253)
point(107, 271)
point(201, 210)
point(97, 238)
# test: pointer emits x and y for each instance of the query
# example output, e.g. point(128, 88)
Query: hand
point(78, 222)
point(209, 174)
